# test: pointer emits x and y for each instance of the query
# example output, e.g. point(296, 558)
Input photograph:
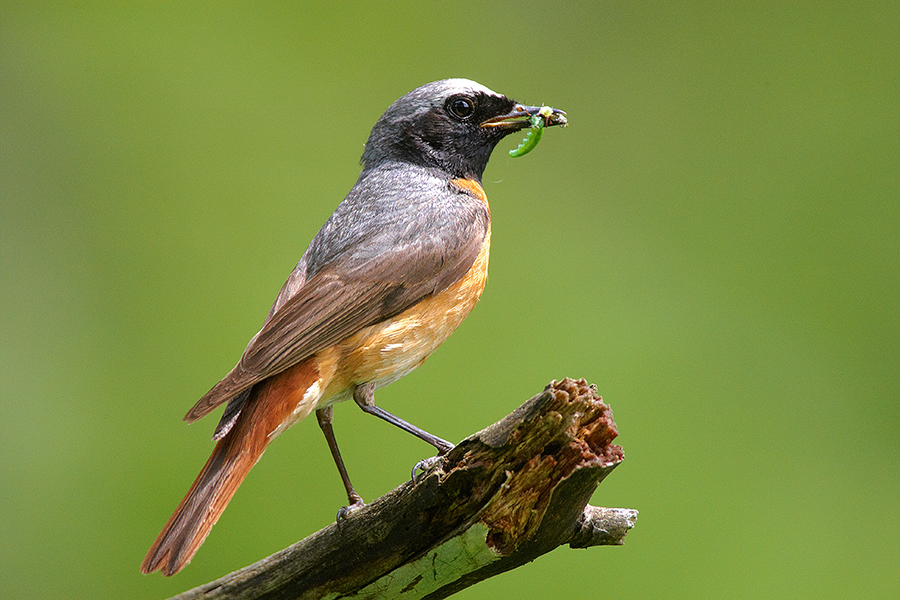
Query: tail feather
point(200, 509)
point(270, 407)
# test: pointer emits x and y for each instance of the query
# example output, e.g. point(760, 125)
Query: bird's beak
point(520, 117)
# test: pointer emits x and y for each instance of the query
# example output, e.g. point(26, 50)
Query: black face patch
point(436, 129)
point(442, 131)
point(454, 128)
point(488, 107)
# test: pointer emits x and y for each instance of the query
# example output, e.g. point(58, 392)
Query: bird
point(389, 276)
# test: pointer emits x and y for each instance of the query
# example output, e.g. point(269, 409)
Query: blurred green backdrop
point(714, 241)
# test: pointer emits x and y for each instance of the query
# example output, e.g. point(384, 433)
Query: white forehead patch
point(462, 86)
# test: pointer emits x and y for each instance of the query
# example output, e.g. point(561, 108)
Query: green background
point(714, 241)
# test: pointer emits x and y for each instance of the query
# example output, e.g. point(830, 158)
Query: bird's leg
point(325, 416)
point(364, 396)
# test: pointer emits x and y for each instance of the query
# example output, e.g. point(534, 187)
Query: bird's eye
point(461, 107)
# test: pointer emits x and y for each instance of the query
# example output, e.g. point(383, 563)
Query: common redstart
point(386, 280)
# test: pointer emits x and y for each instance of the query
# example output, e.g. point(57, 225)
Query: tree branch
point(499, 499)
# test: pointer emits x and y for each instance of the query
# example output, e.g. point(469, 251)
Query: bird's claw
point(425, 466)
point(346, 511)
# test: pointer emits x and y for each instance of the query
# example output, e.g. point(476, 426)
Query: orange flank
point(385, 352)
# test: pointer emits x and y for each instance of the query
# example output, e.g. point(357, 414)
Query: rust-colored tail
point(269, 406)
point(200, 509)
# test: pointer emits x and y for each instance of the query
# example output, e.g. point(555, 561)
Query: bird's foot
point(426, 465)
point(346, 511)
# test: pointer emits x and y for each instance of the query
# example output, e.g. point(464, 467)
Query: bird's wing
point(367, 285)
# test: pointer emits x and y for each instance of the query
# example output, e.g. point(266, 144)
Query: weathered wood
point(499, 499)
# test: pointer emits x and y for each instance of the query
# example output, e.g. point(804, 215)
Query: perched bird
point(386, 280)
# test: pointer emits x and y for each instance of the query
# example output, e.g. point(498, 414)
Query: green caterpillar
point(537, 122)
point(531, 138)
